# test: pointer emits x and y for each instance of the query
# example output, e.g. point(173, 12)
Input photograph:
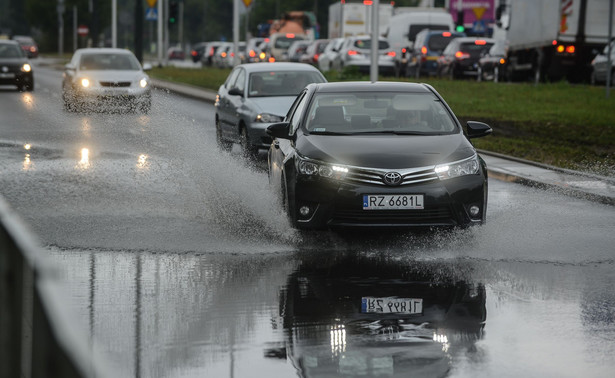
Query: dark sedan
point(15, 68)
point(377, 154)
point(460, 58)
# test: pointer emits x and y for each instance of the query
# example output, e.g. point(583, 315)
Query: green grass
point(570, 126)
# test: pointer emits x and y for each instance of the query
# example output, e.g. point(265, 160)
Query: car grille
point(115, 84)
point(441, 215)
point(376, 176)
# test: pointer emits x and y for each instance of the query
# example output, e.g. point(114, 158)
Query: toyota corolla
point(377, 154)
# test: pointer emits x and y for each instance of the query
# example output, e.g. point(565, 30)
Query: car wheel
point(479, 74)
point(224, 145)
point(249, 150)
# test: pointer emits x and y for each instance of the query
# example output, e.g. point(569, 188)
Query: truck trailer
point(347, 19)
point(552, 39)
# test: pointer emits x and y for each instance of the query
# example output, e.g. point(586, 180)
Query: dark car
point(377, 154)
point(27, 44)
point(493, 64)
point(197, 51)
point(15, 68)
point(256, 95)
point(428, 46)
point(460, 58)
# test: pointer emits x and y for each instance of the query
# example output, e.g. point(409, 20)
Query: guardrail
point(37, 337)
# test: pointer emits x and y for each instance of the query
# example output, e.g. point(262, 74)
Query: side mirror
point(235, 92)
point(478, 129)
point(69, 67)
point(147, 66)
point(280, 130)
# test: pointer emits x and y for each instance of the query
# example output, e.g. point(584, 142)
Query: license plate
point(391, 305)
point(393, 202)
point(9, 75)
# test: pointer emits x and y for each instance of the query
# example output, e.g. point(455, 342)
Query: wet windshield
point(378, 113)
point(95, 62)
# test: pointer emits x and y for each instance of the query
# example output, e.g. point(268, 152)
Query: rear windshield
point(367, 44)
point(473, 49)
point(438, 42)
point(378, 113)
point(281, 83)
point(284, 42)
point(416, 28)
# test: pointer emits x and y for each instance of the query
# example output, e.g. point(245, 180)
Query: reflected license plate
point(393, 202)
point(391, 305)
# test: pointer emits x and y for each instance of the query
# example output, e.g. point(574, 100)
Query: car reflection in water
point(329, 331)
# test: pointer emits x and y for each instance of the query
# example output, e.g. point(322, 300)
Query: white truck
point(348, 19)
point(552, 39)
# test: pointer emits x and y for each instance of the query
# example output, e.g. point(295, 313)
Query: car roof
point(9, 42)
point(278, 66)
point(472, 39)
point(103, 50)
point(366, 86)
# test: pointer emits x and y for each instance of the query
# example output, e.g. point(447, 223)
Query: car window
point(240, 83)
point(231, 79)
point(378, 112)
point(10, 51)
point(295, 118)
point(281, 83)
point(108, 61)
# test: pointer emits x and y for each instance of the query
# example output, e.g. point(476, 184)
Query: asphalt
point(501, 167)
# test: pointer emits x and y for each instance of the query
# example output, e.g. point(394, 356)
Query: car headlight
point(309, 167)
point(464, 167)
point(143, 83)
point(26, 67)
point(85, 83)
point(268, 118)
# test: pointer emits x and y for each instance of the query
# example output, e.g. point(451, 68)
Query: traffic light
point(173, 12)
point(460, 28)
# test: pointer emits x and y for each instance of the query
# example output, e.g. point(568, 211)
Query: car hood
point(12, 61)
point(386, 151)
point(277, 105)
point(112, 75)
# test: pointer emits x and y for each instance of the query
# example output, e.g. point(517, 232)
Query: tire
point(479, 74)
point(248, 149)
point(224, 145)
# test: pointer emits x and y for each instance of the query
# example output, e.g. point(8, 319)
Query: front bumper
point(115, 98)
point(340, 204)
point(18, 78)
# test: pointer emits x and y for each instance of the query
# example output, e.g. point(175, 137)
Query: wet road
point(178, 262)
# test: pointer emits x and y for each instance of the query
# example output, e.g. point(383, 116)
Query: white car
point(100, 79)
point(600, 66)
point(356, 52)
point(325, 60)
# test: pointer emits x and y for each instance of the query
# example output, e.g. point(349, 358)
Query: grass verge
point(566, 125)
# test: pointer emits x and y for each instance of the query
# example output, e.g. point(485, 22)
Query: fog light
point(304, 211)
point(474, 210)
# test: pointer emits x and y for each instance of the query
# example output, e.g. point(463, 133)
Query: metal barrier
point(36, 337)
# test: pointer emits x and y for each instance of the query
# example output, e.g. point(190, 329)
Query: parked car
point(255, 95)
point(600, 66)
point(329, 55)
point(493, 64)
point(428, 46)
point(197, 51)
point(314, 51)
point(460, 58)
point(356, 52)
point(297, 49)
point(15, 68)
point(103, 79)
point(28, 45)
point(384, 154)
point(176, 53)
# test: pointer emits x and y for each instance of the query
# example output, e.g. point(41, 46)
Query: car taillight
point(391, 53)
point(502, 60)
point(461, 55)
point(480, 42)
point(423, 50)
point(446, 34)
point(290, 35)
point(252, 53)
point(223, 55)
point(271, 59)
point(352, 52)
point(316, 57)
point(193, 53)
point(570, 49)
point(403, 51)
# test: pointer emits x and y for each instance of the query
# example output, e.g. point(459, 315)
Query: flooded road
point(179, 263)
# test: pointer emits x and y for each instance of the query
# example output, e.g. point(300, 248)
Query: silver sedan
point(256, 95)
point(101, 79)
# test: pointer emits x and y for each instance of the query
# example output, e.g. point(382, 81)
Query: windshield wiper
point(389, 132)
point(328, 133)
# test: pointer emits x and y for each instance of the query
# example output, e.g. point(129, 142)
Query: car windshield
point(378, 113)
point(10, 51)
point(108, 61)
point(281, 83)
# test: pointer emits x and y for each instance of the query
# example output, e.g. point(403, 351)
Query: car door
point(224, 108)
